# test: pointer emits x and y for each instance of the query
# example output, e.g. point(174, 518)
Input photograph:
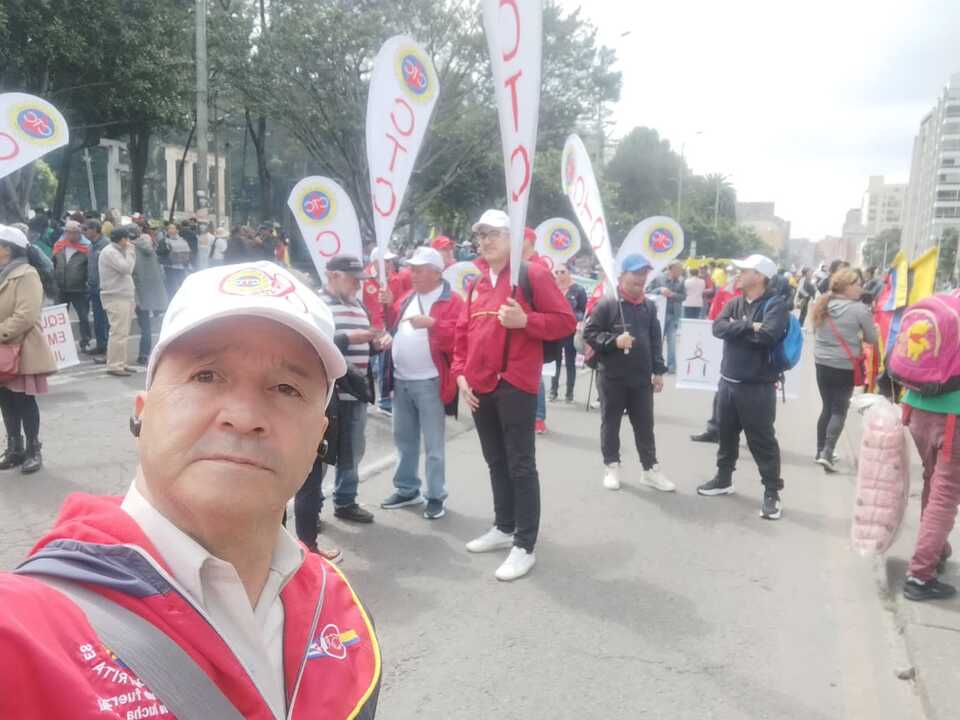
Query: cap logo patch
point(250, 281)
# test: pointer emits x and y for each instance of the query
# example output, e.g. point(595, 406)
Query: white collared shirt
point(255, 635)
point(411, 347)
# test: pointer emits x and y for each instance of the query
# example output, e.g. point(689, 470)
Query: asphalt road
point(642, 605)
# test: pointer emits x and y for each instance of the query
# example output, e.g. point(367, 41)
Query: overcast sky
point(799, 101)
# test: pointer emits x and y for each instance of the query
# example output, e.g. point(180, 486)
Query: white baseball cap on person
point(426, 256)
point(13, 236)
point(761, 263)
point(256, 289)
point(493, 218)
point(388, 255)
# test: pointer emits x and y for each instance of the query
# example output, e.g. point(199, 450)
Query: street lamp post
point(203, 177)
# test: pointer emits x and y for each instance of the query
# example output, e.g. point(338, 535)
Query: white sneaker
point(518, 563)
point(656, 479)
point(492, 540)
point(611, 478)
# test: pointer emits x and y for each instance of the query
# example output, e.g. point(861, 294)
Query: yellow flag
point(901, 269)
point(923, 272)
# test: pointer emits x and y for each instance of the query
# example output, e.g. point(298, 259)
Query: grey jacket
point(855, 325)
point(116, 271)
point(148, 277)
point(679, 289)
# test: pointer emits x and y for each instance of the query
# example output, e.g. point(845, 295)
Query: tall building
point(933, 194)
point(760, 217)
point(882, 207)
point(849, 246)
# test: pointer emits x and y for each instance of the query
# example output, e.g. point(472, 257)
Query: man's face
point(673, 271)
point(634, 282)
point(562, 276)
point(231, 425)
point(424, 278)
point(346, 285)
point(172, 230)
point(750, 280)
point(72, 235)
point(90, 233)
point(447, 255)
point(494, 244)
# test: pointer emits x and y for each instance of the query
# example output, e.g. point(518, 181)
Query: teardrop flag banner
point(514, 30)
point(327, 220)
point(558, 240)
point(580, 187)
point(659, 239)
point(403, 92)
point(30, 127)
point(460, 275)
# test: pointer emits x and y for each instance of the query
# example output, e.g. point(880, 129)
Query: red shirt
point(478, 354)
point(398, 282)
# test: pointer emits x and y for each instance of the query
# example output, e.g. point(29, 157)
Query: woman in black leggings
point(25, 356)
point(842, 325)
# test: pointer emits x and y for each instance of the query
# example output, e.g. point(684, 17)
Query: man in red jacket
point(376, 300)
point(498, 360)
point(422, 323)
point(187, 598)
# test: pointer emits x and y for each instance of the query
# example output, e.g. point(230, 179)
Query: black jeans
point(101, 325)
point(307, 504)
point(569, 356)
point(804, 306)
point(713, 424)
point(836, 389)
point(146, 334)
point(751, 408)
point(81, 305)
point(615, 397)
point(504, 423)
point(20, 411)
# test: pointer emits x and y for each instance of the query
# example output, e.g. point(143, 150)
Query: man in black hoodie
point(750, 326)
point(625, 333)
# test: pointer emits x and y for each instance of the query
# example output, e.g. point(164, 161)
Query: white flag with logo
point(403, 92)
point(327, 220)
point(580, 187)
point(30, 127)
point(514, 30)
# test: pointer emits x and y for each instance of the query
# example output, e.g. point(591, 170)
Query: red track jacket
point(53, 665)
point(478, 354)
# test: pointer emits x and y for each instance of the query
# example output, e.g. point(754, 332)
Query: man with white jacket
point(117, 293)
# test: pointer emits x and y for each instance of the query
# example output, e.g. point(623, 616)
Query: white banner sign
point(327, 220)
point(30, 127)
point(460, 276)
point(558, 240)
point(514, 30)
point(58, 332)
point(659, 239)
point(699, 355)
point(580, 186)
point(403, 92)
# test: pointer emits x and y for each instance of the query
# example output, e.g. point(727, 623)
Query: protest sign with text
point(403, 92)
point(58, 332)
point(327, 220)
point(514, 30)
point(30, 127)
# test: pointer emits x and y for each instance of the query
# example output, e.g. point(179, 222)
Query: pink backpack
point(926, 356)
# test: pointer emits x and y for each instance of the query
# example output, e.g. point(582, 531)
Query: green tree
point(882, 248)
point(947, 263)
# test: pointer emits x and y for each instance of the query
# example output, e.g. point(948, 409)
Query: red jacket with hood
point(53, 665)
point(478, 354)
point(446, 311)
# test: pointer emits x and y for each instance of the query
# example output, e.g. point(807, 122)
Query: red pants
point(941, 491)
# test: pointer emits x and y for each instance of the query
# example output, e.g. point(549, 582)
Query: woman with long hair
point(842, 323)
point(24, 353)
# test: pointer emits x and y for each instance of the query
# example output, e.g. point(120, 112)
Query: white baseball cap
point(426, 256)
point(375, 255)
point(257, 289)
point(13, 236)
point(761, 263)
point(493, 218)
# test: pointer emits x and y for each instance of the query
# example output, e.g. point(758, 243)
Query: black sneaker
point(918, 591)
point(398, 501)
point(553, 397)
point(770, 510)
point(568, 400)
point(354, 513)
point(434, 510)
point(705, 437)
point(717, 486)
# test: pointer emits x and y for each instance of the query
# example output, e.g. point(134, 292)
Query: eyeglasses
point(483, 235)
point(559, 272)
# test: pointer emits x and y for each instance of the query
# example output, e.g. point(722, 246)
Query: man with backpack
point(752, 327)
point(498, 360)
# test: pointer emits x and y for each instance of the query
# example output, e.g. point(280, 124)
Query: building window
point(951, 128)
point(948, 195)
point(953, 111)
point(950, 144)
point(947, 212)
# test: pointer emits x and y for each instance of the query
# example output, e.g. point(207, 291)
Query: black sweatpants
point(20, 411)
point(569, 356)
point(637, 400)
point(504, 423)
point(836, 389)
point(307, 504)
point(751, 408)
point(81, 305)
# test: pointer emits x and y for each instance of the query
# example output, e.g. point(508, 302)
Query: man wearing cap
point(750, 327)
point(444, 245)
point(118, 293)
point(376, 300)
point(101, 325)
point(498, 361)
point(71, 255)
point(187, 598)
point(671, 286)
point(626, 336)
point(358, 341)
point(423, 325)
